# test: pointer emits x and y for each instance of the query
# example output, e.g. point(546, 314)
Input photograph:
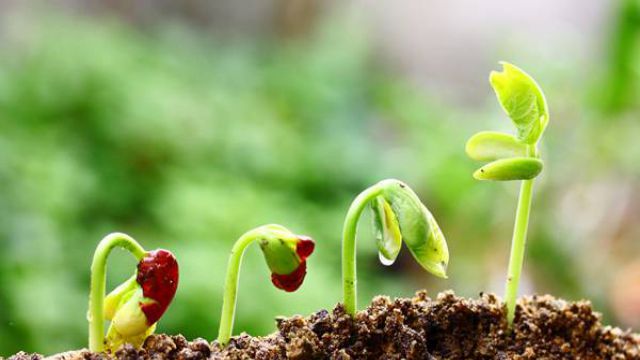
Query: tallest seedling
point(514, 157)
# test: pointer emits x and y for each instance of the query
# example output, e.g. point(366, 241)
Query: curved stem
point(349, 231)
point(231, 285)
point(99, 280)
point(518, 242)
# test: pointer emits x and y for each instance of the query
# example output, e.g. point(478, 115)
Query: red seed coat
point(158, 277)
point(290, 282)
point(305, 247)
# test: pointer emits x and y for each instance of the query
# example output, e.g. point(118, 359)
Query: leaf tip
point(479, 174)
point(439, 270)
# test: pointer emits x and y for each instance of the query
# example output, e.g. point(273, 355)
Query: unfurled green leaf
point(387, 230)
point(522, 100)
point(492, 145)
point(520, 168)
point(417, 227)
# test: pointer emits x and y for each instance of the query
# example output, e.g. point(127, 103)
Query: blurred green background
point(186, 124)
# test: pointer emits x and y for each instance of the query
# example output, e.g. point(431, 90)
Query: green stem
point(231, 285)
point(99, 280)
point(516, 258)
point(349, 247)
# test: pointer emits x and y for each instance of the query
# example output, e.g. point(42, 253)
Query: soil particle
point(447, 327)
point(24, 356)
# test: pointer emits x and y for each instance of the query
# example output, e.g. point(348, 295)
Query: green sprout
point(398, 214)
point(135, 306)
point(514, 157)
point(286, 254)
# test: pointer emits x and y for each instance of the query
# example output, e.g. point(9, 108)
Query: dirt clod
point(447, 327)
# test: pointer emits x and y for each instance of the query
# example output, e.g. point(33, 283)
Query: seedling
point(514, 157)
point(135, 306)
point(398, 214)
point(286, 254)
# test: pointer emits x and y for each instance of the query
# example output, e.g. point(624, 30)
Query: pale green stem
point(99, 280)
point(518, 243)
point(349, 247)
point(231, 285)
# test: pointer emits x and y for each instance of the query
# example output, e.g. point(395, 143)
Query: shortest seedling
point(398, 214)
point(514, 157)
point(135, 306)
point(286, 254)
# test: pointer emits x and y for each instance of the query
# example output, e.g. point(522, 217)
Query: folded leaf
point(129, 324)
point(114, 299)
point(387, 231)
point(418, 228)
point(522, 100)
point(520, 168)
point(130, 320)
point(279, 248)
point(286, 254)
point(492, 145)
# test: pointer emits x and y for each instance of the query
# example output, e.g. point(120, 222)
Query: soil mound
point(447, 327)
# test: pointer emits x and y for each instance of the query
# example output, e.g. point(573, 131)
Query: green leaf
point(387, 230)
point(279, 247)
point(522, 100)
point(417, 226)
point(492, 145)
point(520, 168)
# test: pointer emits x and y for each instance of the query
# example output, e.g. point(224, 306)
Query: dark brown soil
point(420, 328)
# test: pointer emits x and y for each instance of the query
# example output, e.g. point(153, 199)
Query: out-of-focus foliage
point(622, 85)
point(184, 145)
point(185, 142)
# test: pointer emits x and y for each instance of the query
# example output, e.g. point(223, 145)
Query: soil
point(447, 327)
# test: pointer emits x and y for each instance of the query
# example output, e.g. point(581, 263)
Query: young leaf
point(520, 168)
point(493, 145)
point(129, 320)
point(286, 254)
point(129, 324)
point(522, 100)
point(387, 231)
point(418, 228)
point(113, 301)
point(280, 251)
